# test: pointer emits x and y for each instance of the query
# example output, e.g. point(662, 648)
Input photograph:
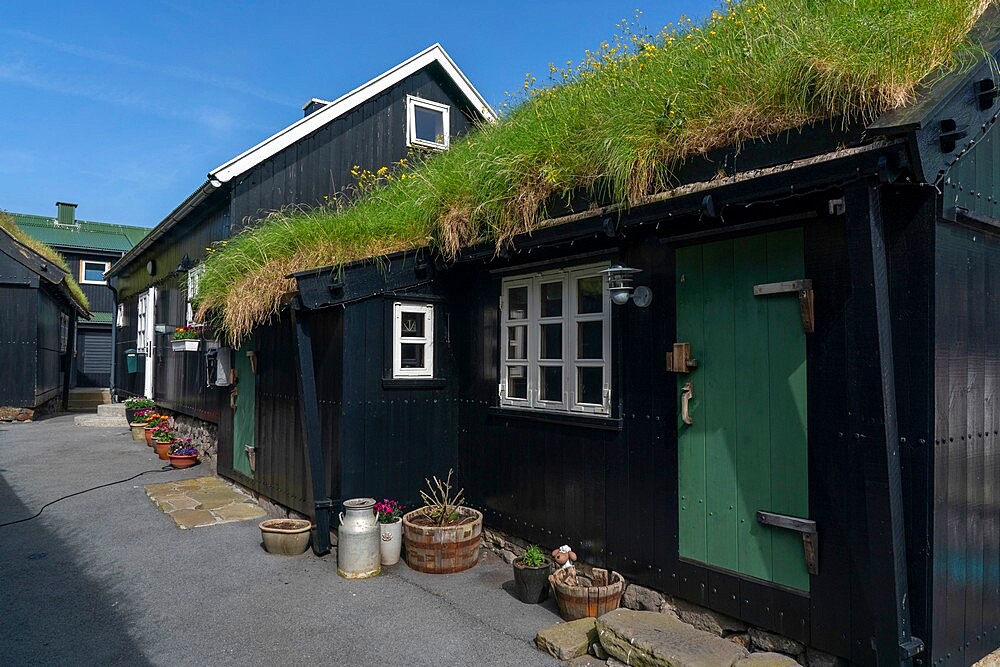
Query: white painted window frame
point(83, 271)
point(412, 102)
point(193, 283)
point(427, 340)
point(570, 363)
point(120, 316)
point(141, 313)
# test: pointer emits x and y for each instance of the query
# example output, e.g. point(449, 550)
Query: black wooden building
point(38, 316)
point(420, 104)
point(826, 465)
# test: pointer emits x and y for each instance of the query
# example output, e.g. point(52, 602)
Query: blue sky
point(124, 107)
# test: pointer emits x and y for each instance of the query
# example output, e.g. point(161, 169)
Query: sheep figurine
point(564, 556)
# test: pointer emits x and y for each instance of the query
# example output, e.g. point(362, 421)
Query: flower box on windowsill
point(186, 345)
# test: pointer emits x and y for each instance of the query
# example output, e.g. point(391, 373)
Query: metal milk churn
point(358, 540)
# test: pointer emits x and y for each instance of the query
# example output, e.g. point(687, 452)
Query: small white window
point(92, 273)
point(141, 314)
point(556, 341)
point(120, 316)
point(427, 123)
point(193, 282)
point(412, 340)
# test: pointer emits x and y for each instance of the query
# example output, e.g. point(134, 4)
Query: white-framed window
point(556, 341)
point(92, 273)
point(120, 316)
point(427, 123)
point(412, 340)
point(193, 281)
point(142, 312)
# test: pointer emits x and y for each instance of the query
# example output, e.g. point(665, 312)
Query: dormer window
point(426, 123)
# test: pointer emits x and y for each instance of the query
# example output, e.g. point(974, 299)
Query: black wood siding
point(966, 462)
point(125, 383)
point(102, 299)
point(18, 340)
point(371, 136)
point(48, 359)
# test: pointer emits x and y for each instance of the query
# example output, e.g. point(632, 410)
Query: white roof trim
point(306, 126)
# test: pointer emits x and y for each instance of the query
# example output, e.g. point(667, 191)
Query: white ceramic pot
point(390, 541)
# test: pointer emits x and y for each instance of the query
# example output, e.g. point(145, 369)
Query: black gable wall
point(319, 166)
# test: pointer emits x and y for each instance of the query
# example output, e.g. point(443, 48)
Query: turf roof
point(615, 126)
point(8, 225)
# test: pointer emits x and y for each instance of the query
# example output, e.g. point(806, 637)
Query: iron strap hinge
point(802, 288)
point(910, 648)
point(810, 536)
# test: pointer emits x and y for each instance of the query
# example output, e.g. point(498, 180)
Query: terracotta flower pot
point(182, 461)
point(287, 537)
point(162, 449)
point(149, 436)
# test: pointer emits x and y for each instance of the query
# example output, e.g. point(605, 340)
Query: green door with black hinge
point(746, 446)
point(244, 408)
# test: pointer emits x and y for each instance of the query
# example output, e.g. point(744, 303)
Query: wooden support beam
point(873, 427)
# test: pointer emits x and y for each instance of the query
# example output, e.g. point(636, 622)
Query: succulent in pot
point(531, 575)
point(390, 515)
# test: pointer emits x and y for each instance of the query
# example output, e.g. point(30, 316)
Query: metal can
point(358, 540)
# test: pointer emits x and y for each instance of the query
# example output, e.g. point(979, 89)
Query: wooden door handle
point(687, 393)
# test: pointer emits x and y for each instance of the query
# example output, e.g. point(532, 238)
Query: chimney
point(67, 213)
point(313, 105)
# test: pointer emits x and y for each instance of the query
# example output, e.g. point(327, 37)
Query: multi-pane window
point(426, 123)
point(92, 273)
point(412, 340)
point(193, 281)
point(556, 341)
point(142, 310)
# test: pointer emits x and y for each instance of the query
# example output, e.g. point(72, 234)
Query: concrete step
point(111, 410)
point(100, 421)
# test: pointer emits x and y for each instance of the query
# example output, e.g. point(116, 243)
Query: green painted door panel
point(243, 414)
point(746, 449)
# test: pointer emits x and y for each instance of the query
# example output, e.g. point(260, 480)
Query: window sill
point(415, 383)
point(566, 419)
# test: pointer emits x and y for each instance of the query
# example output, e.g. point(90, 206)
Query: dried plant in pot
point(531, 576)
point(443, 536)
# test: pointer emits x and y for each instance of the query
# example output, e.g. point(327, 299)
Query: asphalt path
point(105, 578)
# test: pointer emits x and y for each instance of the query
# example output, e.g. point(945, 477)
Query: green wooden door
point(244, 410)
point(746, 448)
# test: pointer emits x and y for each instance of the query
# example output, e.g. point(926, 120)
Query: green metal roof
point(102, 318)
point(83, 234)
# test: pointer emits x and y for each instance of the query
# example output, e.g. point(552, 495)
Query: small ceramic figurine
point(564, 556)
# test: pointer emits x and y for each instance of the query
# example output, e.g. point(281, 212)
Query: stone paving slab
point(203, 501)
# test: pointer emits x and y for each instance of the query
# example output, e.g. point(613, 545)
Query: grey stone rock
point(641, 598)
point(508, 555)
point(598, 651)
point(707, 620)
point(766, 660)
point(567, 640)
point(816, 658)
point(768, 641)
point(586, 661)
point(651, 639)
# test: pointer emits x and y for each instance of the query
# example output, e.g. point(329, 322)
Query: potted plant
point(390, 516)
point(182, 454)
point(153, 420)
point(443, 536)
point(288, 537)
point(163, 437)
point(531, 575)
point(134, 404)
point(186, 339)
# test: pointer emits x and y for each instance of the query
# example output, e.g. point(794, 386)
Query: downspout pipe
point(309, 402)
point(113, 384)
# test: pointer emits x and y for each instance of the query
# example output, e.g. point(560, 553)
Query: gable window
point(556, 341)
point(412, 340)
point(92, 273)
point(427, 123)
point(193, 282)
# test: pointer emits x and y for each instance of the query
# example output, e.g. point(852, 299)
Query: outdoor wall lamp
point(621, 287)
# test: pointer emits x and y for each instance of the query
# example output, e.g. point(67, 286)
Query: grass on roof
point(615, 126)
point(7, 224)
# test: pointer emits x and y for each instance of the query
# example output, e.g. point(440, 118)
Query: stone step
point(100, 421)
point(662, 640)
point(111, 410)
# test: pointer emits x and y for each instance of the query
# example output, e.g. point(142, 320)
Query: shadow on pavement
point(51, 612)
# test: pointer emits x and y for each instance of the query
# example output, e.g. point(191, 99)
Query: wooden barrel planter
point(580, 596)
point(442, 549)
